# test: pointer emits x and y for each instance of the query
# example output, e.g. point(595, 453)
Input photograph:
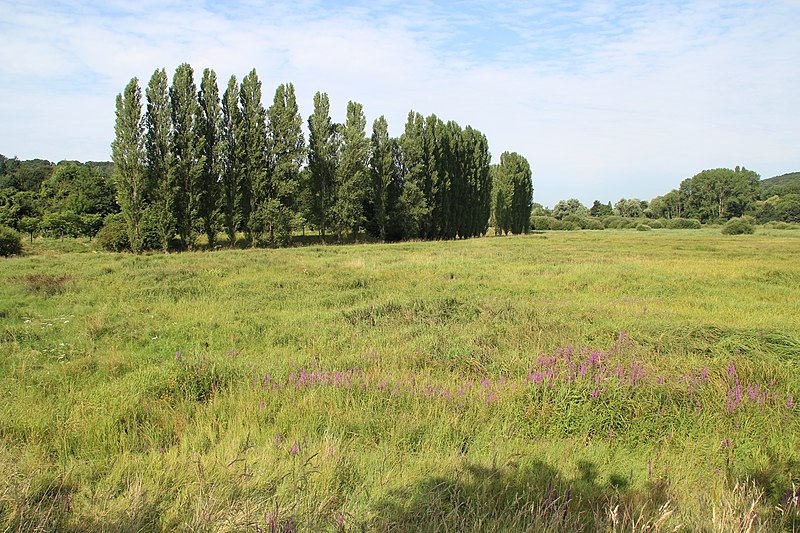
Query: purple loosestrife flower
point(790, 402)
point(731, 369)
point(295, 449)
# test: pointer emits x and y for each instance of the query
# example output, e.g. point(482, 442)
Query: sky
point(605, 99)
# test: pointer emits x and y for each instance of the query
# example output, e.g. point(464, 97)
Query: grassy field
point(615, 380)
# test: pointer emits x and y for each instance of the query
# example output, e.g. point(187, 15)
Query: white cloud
point(605, 99)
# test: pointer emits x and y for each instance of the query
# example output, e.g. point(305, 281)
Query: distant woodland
point(189, 161)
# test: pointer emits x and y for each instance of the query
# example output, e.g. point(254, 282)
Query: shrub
point(643, 227)
point(540, 223)
point(655, 223)
point(593, 224)
point(10, 242)
point(563, 225)
point(779, 225)
point(683, 223)
point(613, 222)
point(113, 236)
point(738, 226)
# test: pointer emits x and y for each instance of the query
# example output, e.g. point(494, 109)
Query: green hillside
point(782, 180)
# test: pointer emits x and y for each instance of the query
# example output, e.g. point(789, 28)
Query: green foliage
point(599, 209)
point(383, 173)
point(352, 174)
point(187, 162)
point(540, 223)
point(231, 159)
point(128, 155)
point(286, 149)
point(77, 188)
point(513, 194)
point(573, 206)
point(158, 158)
point(784, 180)
point(10, 242)
point(29, 225)
point(643, 227)
point(252, 140)
point(682, 223)
point(719, 193)
point(207, 203)
point(629, 208)
point(323, 150)
point(61, 224)
point(738, 226)
point(113, 236)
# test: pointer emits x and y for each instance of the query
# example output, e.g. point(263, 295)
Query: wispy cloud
point(605, 98)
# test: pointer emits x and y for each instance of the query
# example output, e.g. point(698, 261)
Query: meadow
point(586, 381)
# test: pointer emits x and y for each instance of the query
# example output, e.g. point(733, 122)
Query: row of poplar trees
point(197, 162)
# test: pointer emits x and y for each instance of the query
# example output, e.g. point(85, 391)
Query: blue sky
point(606, 99)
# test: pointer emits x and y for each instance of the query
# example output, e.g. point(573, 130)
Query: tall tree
point(478, 199)
point(322, 161)
point(157, 157)
point(253, 140)
point(382, 171)
point(128, 155)
point(719, 193)
point(185, 164)
point(352, 175)
point(286, 155)
point(231, 158)
point(414, 209)
point(513, 194)
point(207, 188)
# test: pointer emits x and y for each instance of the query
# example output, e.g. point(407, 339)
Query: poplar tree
point(286, 154)
point(480, 182)
point(322, 161)
point(512, 194)
point(157, 157)
point(185, 165)
point(436, 180)
point(252, 138)
point(231, 158)
point(207, 188)
point(128, 155)
point(382, 172)
point(412, 214)
point(352, 175)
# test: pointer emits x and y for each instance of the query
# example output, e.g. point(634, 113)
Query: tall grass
point(617, 380)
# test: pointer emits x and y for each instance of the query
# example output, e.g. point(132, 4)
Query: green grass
point(564, 380)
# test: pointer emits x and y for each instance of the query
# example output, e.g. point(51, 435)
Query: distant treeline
point(711, 196)
point(196, 162)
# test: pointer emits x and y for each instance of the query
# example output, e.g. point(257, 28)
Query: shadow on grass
point(533, 497)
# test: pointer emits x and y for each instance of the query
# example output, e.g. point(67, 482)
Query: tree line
point(188, 160)
point(710, 196)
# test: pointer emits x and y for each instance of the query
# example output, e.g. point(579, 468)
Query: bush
point(10, 242)
point(562, 225)
point(656, 223)
point(613, 222)
point(738, 226)
point(643, 227)
point(779, 225)
point(683, 223)
point(540, 223)
point(583, 222)
point(113, 236)
point(593, 224)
